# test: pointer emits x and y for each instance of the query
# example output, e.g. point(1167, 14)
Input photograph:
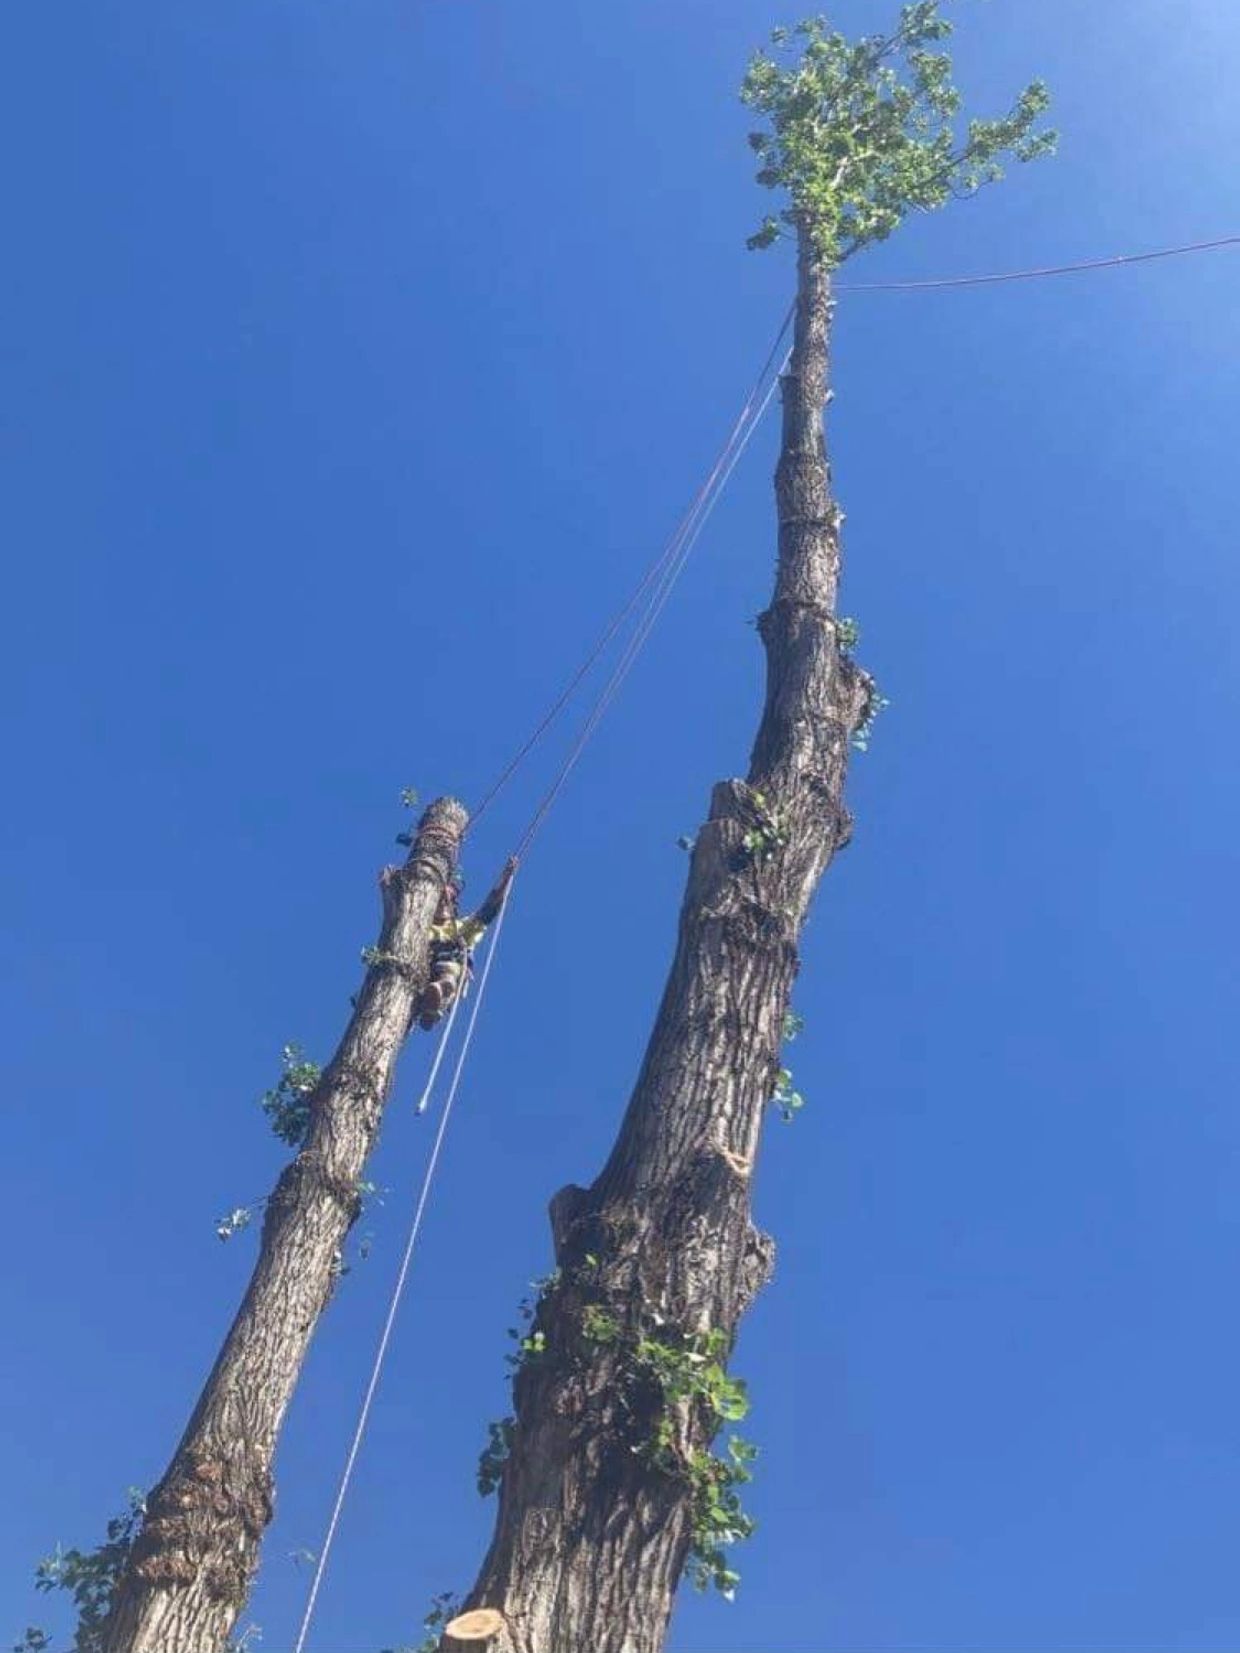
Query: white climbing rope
point(441, 1049)
point(403, 1273)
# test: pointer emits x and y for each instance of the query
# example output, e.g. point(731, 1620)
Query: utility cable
point(1038, 274)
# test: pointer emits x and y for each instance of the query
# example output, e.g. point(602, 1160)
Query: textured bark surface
point(591, 1539)
point(191, 1567)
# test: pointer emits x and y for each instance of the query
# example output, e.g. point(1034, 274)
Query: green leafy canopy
point(858, 134)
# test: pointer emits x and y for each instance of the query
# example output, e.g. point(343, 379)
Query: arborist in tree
point(453, 940)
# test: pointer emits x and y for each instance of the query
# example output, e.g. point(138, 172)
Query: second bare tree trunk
point(190, 1569)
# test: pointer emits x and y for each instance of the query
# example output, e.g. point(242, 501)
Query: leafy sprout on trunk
point(858, 134)
point(89, 1577)
point(287, 1104)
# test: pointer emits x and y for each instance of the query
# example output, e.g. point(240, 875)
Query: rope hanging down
point(402, 1276)
point(441, 1050)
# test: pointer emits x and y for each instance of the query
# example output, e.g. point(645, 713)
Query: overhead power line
point(1038, 274)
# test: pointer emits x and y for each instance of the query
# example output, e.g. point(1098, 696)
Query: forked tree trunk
point(190, 1569)
point(592, 1536)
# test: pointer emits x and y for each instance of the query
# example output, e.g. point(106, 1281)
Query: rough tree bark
point(190, 1569)
point(592, 1538)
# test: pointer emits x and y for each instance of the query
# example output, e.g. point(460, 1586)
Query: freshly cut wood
point(481, 1624)
point(739, 1163)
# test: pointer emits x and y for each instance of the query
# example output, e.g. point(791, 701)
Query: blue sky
point(356, 357)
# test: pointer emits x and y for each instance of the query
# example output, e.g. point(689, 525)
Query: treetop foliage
point(858, 134)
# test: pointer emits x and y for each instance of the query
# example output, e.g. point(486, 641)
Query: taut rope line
point(714, 480)
point(637, 642)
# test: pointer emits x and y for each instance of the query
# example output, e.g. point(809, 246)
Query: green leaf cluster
point(408, 800)
point(768, 832)
point(719, 1518)
point(864, 732)
point(598, 1325)
point(530, 1344)
point(785, 1097)
point(858, 134)
point(494, 1455)
point(679, 1370)
point(90, 1577)
point(847, 632)
point(287, 1104)
point(690, 1370)
point(32, 1640)
point(241, 1216)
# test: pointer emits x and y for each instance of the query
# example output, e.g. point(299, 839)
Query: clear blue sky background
point(356, 356)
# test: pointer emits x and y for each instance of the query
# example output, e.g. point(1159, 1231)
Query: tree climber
point(453, 940)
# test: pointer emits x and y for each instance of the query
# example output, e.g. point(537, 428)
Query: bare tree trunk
point(190, 1569)
point(592, 1534)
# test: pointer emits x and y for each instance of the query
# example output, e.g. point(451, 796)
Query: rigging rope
point(652, 574)
point(402, 1276)
point(637, 642)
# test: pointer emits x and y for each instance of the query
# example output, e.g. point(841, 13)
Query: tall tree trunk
point(190, 1569)
point(593, 1531)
